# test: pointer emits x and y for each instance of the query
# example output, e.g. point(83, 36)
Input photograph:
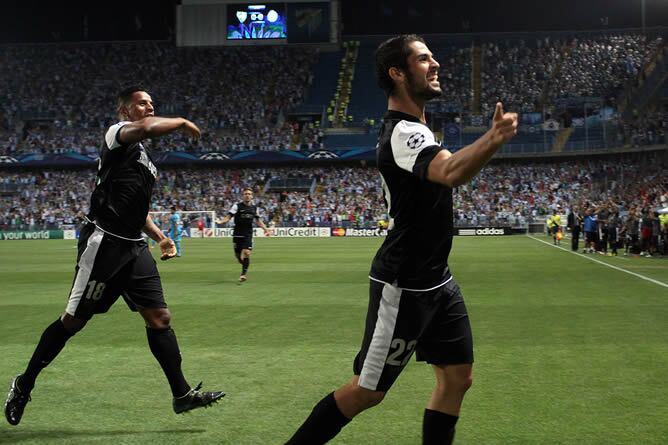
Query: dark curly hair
point(393, 52)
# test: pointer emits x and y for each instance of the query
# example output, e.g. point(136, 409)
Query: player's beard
point(422, 92)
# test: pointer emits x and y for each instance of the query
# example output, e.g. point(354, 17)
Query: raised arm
point(459, 168)
point(225, 219)
point(154, 126)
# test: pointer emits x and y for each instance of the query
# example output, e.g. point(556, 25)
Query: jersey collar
point(393, 114)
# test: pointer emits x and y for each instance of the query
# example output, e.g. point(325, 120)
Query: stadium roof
point(58, 22)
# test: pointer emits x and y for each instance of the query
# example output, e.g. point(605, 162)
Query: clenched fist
point(192, 130)
point(167, 249)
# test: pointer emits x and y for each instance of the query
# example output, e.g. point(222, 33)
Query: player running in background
point(113, 258)
point(414, 303)
point(175, 229)
point(244, 213)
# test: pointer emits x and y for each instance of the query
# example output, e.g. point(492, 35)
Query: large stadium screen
point(256, 21)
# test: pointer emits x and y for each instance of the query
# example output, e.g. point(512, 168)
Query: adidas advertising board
point(484, 231)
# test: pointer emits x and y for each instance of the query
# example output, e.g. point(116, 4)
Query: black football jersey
point(123, 187)
point(415, 252)
point(243, 215)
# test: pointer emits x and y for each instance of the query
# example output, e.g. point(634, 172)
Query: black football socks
point(325, 422)
point(438, 428)
point(166, 350)
point(50, 344)
point(244, 265)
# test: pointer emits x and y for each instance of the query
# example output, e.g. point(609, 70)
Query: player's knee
point(460, 383)
point(375, 398)
point(163, 319)
point(157, 318)
point(454, 379)
point(367, 398)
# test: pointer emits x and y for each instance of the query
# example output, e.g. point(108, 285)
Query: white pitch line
point(642, 277)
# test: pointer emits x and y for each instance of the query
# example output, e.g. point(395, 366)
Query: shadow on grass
point(21, 435)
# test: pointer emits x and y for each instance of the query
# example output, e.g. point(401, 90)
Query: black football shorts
point(433, 323)
point(109, 267)
point(242, 242)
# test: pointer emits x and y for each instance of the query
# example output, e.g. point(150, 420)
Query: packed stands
point(59, 98)
point(517, 72)
point(504, 193)
point(238, 96)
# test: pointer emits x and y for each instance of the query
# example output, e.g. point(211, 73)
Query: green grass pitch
point(568, 351)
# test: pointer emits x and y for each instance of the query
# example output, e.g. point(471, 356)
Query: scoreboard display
point(256, 21)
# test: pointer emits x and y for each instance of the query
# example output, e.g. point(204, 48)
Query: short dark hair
point(393, 52)
point(126, 93)
point(247, 188)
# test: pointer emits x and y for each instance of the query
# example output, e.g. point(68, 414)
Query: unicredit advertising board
point(281, 232)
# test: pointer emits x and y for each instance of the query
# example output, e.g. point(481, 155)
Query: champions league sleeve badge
point(415, 140)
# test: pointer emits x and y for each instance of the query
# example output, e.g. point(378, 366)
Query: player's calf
point(334, 412)
point(322, 425)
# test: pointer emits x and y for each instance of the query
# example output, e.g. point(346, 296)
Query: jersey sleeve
point(233, 210)
point(111, 137)
point(413, 147)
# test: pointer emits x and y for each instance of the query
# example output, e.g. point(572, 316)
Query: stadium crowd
point(238, 96)
point(455, 75)
point(526, 75)
point(648, 129)
point(58, 98)
point(599, 67)
point(504, 194)
point(516, 73)
point(55, 198)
